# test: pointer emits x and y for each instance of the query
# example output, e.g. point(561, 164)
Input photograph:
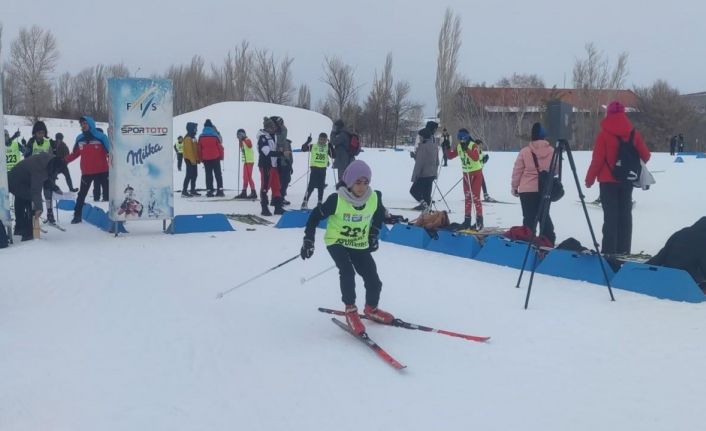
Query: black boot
point(220, 194)
point(466, 223)
point(278, 202)
point(479, 223)
point(76, 219)
point(252, 195)
point(263, 204)
point(185, 194)
point(242, 195)
point(50, 216)
point(194, 193)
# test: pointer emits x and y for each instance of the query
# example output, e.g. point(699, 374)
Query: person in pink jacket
point(535, 157)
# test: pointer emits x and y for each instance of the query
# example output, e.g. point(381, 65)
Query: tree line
point(32, 88)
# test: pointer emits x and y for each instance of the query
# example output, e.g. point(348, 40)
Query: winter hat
point(59, 136)
point(432, 125)
point(240, 132)
point(208, 123)
point(339, 124)
point(538, 132)
point(356, 170)
point(191, 129)
point(464, 135)
point(615, 107)
point(39, 125)
point(268, 124)
point(323, 135)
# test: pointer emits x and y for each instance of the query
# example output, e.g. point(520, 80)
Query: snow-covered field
point(104, 333)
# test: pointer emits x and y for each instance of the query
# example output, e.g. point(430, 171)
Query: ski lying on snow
point(399, 323)
point(499, 202)
point(484, 231)
point(249, 219)
point(365, 339)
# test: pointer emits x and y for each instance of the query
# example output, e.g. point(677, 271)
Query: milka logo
point(145, 102)
point(138, 157)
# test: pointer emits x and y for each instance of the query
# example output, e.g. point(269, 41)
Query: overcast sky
point(499, 37)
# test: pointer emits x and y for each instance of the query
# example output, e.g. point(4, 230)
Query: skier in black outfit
point(355, 215)
point(320, 152)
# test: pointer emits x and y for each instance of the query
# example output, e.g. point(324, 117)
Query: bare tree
point(340, 77)
point(304, 97)
point(405, 113)
point(242, 71)
point(378, 106)
point(522, 97)
point(663, 113)
point(272, 82)
point(33, 57)
point(592, 77)
point(447, 82)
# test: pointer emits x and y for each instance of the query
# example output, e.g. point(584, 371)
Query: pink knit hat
point(615, 107)
point(356, 170)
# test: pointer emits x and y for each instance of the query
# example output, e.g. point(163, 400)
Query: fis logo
point(144, 103)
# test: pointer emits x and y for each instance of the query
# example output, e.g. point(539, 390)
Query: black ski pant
point(285, 177)
point(349, 261)
point(317, 180)
point(100, 183)
point(86, 181)
point(23, 217)
point(213, 167)
point(190, 178)
point(530, 202)
point(421, 189)
point(180, 159)
point(67, 176)
point(616, 199)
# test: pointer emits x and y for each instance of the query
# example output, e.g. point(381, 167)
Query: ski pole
point(299, 178)
point(222, 294)
point(305, 279)
point(453, 187)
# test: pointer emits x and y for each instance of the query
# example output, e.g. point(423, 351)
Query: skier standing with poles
point(248, 157)
point(318, 163)
point(472, 166)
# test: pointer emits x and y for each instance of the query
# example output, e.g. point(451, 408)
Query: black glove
point(464, 146)
point(373, 243)
point(412, 154)
point(307, 249)
point(485, 158)
point(308, 140)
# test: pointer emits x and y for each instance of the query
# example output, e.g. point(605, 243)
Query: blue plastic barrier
point(192, 223)
point(575, 266)
point(658, 281)
point(688, 153)
point(502, 251)
point(296, 218)
point(455, 244)
point(86, 211)
point(411, 236)
point(678, 160)
point(66, 204)
point(384, 232)
point(99, 218)
point(701, 156)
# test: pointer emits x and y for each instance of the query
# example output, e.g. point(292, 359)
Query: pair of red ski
point(365, 339)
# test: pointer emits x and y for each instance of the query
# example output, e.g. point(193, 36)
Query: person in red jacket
point(248, 157)
point(615, 196)
point(93, 147)
point(211, 149)
point(472, 169)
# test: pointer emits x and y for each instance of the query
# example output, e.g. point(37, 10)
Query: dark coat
point(26, 179)
point(341, 141)
point(686, 249)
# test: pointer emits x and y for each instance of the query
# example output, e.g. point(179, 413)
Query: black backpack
point(627, 166)
point(544, 177)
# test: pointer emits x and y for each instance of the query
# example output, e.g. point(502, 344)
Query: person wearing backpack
point(532, 159)
point(617, 152)
point(341, 144)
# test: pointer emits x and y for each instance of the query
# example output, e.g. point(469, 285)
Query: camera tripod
point(555, 170)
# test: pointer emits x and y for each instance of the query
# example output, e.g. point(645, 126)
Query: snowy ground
point(104, 333)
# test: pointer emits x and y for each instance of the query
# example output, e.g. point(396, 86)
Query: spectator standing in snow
point(341, 141)
point(179, 149)
point(191, 160)
point(355, 215)
point(445, 145)
point(286, 161)
point(616, 197)
point(532, 159)
point(93, 147)
point(268, 159)
point(211, 151)
point(426, 165)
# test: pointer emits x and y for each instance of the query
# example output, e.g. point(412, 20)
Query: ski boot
point(263, 204)
point(378, 315)
point(353, 320)
point(479, 223)
point(194, 193)
point(252, 195)
point(277, 202)
point(466, 223)
point(242, 195)
point(220, 193)
point(210, 194)
point(77, 219)
point(185, 194)
point(50, 216)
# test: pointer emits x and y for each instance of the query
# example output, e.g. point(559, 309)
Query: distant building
point(503, 116)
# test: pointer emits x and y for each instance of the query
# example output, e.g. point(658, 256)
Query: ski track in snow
point(124, 333)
